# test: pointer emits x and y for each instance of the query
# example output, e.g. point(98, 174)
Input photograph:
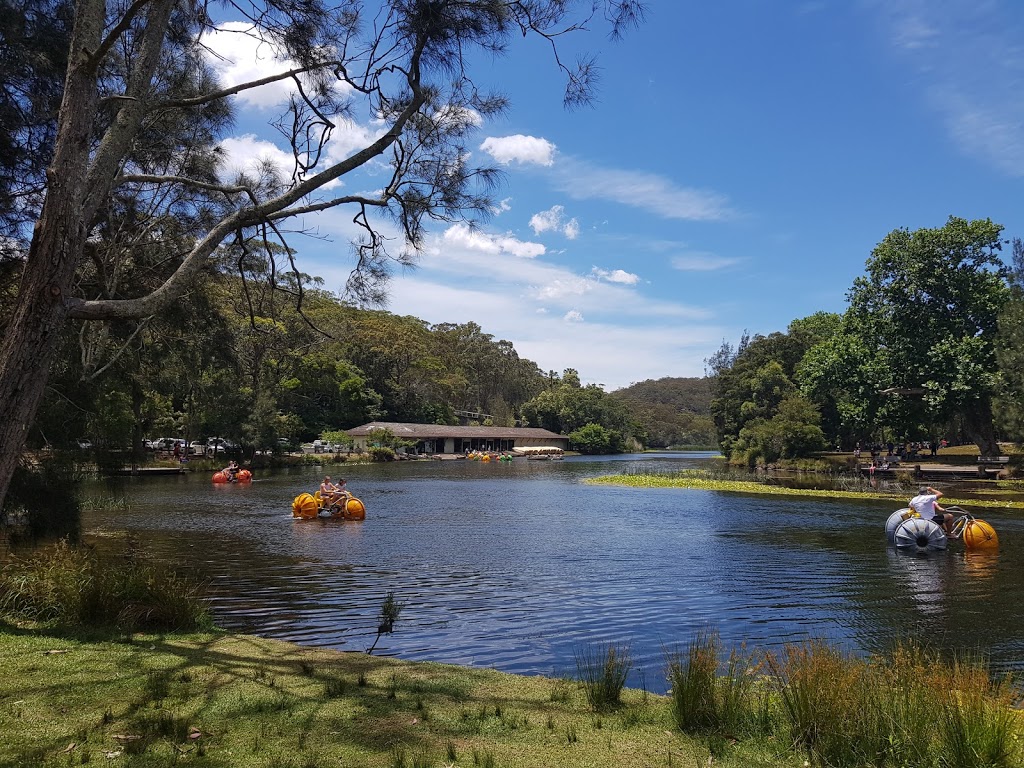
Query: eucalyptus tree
point(405, 64)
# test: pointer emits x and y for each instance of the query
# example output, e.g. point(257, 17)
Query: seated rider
point(329, 492)
point(925, 505)
point(341, 492)
point(231, 470)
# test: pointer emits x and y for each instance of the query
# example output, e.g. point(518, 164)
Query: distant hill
point(671, 411)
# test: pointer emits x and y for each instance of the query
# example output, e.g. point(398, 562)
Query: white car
point(216, 445)
point(197, 448)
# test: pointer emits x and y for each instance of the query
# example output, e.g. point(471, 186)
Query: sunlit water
point(518, 566)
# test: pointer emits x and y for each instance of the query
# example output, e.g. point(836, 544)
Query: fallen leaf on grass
point(112, 755)
point(69, 748)
point(53, 651)
point(125, 737)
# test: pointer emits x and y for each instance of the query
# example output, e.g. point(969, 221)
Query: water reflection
point(516, 565)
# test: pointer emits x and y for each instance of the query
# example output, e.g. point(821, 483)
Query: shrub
point(382, 453)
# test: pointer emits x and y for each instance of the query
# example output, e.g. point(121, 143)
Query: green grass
point(221, 700)
point(695, 479)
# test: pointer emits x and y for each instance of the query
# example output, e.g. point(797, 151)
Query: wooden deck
point(935, 471)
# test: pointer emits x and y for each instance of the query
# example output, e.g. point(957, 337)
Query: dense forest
point(246, 359)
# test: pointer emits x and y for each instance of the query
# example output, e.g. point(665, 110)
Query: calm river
point(517, 566)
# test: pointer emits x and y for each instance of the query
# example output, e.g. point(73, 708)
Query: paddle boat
point(310, 505)
point(241, 476)
point(907, 530)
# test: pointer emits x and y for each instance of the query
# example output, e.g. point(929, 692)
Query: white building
point(439, 438)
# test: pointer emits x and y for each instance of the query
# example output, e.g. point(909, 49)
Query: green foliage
point(595, 439)
point(704, 702)
point(927, 311)
point(1010, 352)
point(792, 432)
point(670, 412)
point(381, 453)
point(566, 406)
point(750, 383)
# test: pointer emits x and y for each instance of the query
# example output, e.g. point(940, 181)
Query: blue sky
point(741, 162)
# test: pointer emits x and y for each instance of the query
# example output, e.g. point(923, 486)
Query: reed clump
point(73, 586)
point(912, 708)
point(603, 671)
point(732, 704)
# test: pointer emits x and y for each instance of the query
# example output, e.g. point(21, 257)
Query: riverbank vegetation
point(216, 700)
point(87, 680)
point(926, 350)
point(729, 483)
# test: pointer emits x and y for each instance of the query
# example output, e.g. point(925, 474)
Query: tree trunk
point(979, 427)
point(57, 244)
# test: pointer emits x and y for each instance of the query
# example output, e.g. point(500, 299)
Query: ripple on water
point(519, 566)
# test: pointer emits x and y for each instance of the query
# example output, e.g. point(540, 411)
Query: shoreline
point(738, 486)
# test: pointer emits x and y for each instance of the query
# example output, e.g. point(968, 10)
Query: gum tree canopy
point(927, 313)
point(137, 66)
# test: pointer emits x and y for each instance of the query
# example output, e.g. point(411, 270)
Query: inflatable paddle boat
point(310, 505)
point(907, 530)
point(241, 476)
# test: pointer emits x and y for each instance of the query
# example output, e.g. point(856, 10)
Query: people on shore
point(926, 505)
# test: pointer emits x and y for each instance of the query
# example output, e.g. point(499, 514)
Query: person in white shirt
point(926, 505)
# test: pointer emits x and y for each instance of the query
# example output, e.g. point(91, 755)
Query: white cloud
point(615, 276)
point(573, 316)
point(701, 261)
point(525, 150)
point(968, 59)
point(551, 221)
point(244, 154)
point(482, 242)
point(502, 206)
point(648, 191)
point(239, 57)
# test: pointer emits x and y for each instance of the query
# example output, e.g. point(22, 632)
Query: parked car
point(220, 445)
point(197, 448)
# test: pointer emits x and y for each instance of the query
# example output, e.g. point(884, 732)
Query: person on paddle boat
point(332, 495)
point(925, 504)
point(342, 494)
point(231, 471)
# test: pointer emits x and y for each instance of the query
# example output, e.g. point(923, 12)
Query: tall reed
point(703, 700)
point(603, 671)
point(912, 708)
point(74, 586)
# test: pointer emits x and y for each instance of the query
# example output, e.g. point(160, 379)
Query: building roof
point(424, 431)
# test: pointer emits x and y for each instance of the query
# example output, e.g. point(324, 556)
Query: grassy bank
point(90, 677)
point(701, 481)
point(227, 700)
point(224, 700)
